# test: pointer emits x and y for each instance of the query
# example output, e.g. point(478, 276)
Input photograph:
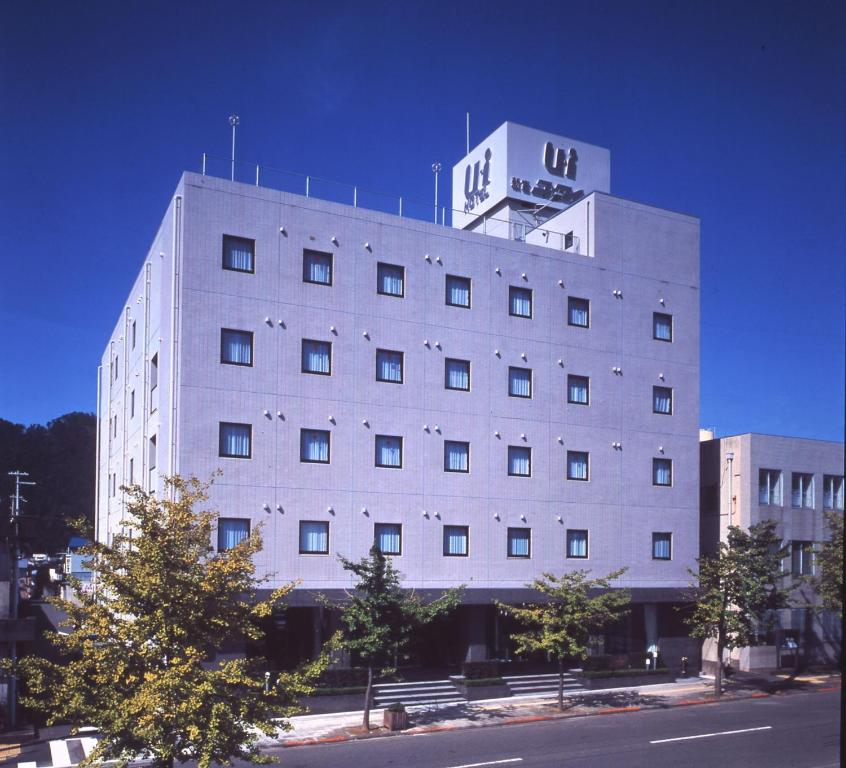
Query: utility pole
point(436, 169)
point(233, 121)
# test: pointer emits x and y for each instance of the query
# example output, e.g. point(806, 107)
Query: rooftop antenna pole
point(436, 168)
point(468, 133)
point(233, 121)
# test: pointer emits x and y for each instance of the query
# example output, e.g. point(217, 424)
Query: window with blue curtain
point(388, 538)
point(458, 291)
point(578, 312)
point(389, 451)
point(519, 301)
point(314, 537)
point(519, 542)
point(314, 446)
point(390, 279)
point(457, 374)
point(389, 366)
point(662, 471)
point(238, 253)
point(578, 388)
point(231, 532)
point(317, 357)
point(519, 382)
point(317, 267)
point(235, 440)
point(456, 539)
point(577, 465)
point(662, 546)
point(456, 456)
point(236, 347)
point(662, 326)
point(662, 400)
point(519, 461)
point(577, 543)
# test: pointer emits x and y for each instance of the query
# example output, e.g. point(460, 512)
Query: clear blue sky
point(732, 111)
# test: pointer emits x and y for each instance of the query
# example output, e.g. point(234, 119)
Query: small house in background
point(75, 566)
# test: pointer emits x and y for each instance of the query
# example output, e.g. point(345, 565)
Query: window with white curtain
point(388, 538)
point(317, 267)
point(457, 374)
point(458, 291)
point(317, 357)
point(833, 491)
point(577, 544)
point(662, 471)
point(802, 558)
point(390, 279)
point(519, 461)
point(314, 537)
point(456, 456)
point(235, 440)
point(519, 302)
point(456, 540)
point(519, 542)
point(577, 465)
point(231, 531)
point(389, 366)
point(662, 546)
point(519, 382)
point(662, 400)
point(769, 487)
point(578, 389)
point(389, 451)
point(238, 254)
point(236, 347)
point(662, 326)
point(578, 312)
point(314, 446)
point(802, 490)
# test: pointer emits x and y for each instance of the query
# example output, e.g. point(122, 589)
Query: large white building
point(514, 394)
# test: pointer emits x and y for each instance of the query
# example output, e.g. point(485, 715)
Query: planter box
point(345, 702)
point(627, 681)
point(395, 721)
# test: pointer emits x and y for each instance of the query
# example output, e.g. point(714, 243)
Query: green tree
point(135, 656)
point(829, 582)
point(380, 617)
point(735, 592)
point(573, 608)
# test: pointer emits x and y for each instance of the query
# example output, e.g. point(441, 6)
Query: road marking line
point(492, 762)
point(708, 735)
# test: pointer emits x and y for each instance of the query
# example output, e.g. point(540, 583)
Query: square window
point(519, 382)
point(519, 302)
point(456, 456)
point(662, 400)
point(519, 461)
point(389, 451)
point(314, 537)
point(231, 531)
point(238, 254)
point(802, 490)
point(457, 374)
point(578, 312)
point(456, 540)
point(458, 291)
point(578, 463)
point(236, 347)
point(769, 487)
point(577, 544)
point(389, 366)
point(235, 440)
point(662, 326)
point(662, 546)
point(578, 390)
point(317, 357)
point(802, 558)
point(662, 472)
point(314, 446)
point(388, 538)
point(390, 280)
point(519, 542)
point(833, 491)
point(317, 267)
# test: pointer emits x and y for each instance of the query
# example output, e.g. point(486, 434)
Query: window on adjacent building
point(519, 461)
point(519, 382)
point(519, 301)
point(134, 329)
point(662, 326)
point(317, 267)
point(569, 239)
point(662, 400)
point(236, 347)
point(577, 544)
point(802, 558)
point(802, 490)
point(578, 312)
point(314, 537)
point(578, 465)
point(238, 254)
point(317, 357)
point(116, 367)
point(662, 546)
point(154, 381)
point(151, 453)
point(458, 291)
point(833, 491)
point(314, 446)
point(235, 440)
point(132, 404)
point(457, 374)
point(769, 487)
point(388, 538)
point(389, 366)
point(662, 471)
point(456, 456)
point(131, 471)
point(390, 279)
point(578, 389)
point(231, 531)
point(519, 542)
point(389, 451)
point(456, 540)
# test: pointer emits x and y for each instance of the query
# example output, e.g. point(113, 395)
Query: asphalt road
point(799, 730)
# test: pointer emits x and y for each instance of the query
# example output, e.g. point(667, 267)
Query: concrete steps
point(540, 685)
point(411, 694)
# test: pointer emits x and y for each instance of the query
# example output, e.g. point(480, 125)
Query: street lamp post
point(233, 121)
point(436, 168)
